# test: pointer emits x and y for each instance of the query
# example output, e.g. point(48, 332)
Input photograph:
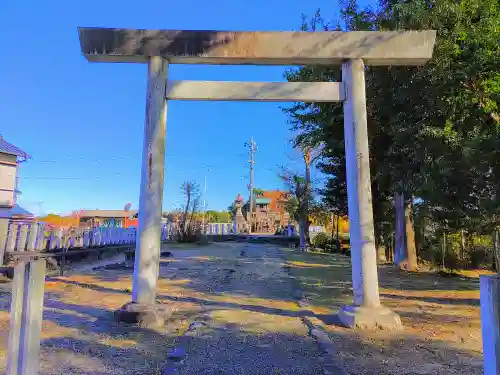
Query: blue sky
point(83, 123)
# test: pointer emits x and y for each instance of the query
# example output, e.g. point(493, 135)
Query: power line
point(75, 159)
point(77, 177)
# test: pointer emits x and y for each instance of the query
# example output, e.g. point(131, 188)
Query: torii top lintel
point(256, 47)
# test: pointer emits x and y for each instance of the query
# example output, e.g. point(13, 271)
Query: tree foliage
point(433, 130)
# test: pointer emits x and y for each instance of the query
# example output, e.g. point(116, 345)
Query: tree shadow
point(225, 349)
point(232, 349)
point(163, 298)
point(383, 353)
point(394, 278)
point(442, 301)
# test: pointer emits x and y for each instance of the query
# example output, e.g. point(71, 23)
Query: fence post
point(4, 230)
point(111, 236)
point(104, 236)
point(490, 322)
point(32, 237)
point(42, 238)
point(79, 238)
point(96, 237)
point(23, 353)
point(119, 236)
point(86, 239)
point(10, 246)
point(23, 237)
point(56, 239)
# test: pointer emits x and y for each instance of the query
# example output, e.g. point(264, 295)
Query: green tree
point(433, 130)
point(218, 216)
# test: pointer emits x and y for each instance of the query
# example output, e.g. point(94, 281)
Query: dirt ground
point(442, 328)
point(244, 309)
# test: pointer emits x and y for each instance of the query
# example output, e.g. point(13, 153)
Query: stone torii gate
point(352, 50)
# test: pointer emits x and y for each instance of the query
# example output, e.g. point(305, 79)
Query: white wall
point(7, 184)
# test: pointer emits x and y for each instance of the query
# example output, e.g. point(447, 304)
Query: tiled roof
point(262, 200)
point(8, 148)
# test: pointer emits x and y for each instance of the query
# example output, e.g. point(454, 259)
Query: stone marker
point(490, 322)
point(23, 352)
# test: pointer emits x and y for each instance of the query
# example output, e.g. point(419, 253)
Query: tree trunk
point(399, 236)
point(496, 251)
point(389, 254)
point(462, 244)
point(307, 195)
point(302, 234)
point(339, 248)
point(381, 258)
point(333, 227)
point(443, 252)
point(393, 247)
point(411, 249)
point(186, 210)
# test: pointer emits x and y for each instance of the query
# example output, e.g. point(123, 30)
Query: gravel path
point(259, 329)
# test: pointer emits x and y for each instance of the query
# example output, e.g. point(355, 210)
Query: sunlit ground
point(254, 298)
point(442, 332)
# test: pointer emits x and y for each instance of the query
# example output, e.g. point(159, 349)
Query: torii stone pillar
point(148, 241)
point(352, 50)
point(366, 310)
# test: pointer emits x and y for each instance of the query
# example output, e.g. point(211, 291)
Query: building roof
point(16, 212)
point(106, 213)
point(260, 200)
point(9, 148)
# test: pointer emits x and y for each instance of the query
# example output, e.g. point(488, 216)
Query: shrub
point(451, 261)
point(321, 240)
point(480, 257)
point(432, 255)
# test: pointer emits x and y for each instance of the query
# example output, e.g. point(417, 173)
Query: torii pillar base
point(369, 318)
point(144, 315)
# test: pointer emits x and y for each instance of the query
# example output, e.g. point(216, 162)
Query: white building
point(10, 159)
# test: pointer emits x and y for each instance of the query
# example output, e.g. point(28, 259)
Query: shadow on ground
point(128, 350)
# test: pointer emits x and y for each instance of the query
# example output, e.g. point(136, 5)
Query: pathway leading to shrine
point(244, 308)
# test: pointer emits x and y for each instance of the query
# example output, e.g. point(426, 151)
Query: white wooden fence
point(18, 236)
point(220, 228)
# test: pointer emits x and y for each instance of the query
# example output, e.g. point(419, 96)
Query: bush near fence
point(328, 244)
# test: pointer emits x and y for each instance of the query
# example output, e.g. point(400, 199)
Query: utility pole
point(252, 147)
